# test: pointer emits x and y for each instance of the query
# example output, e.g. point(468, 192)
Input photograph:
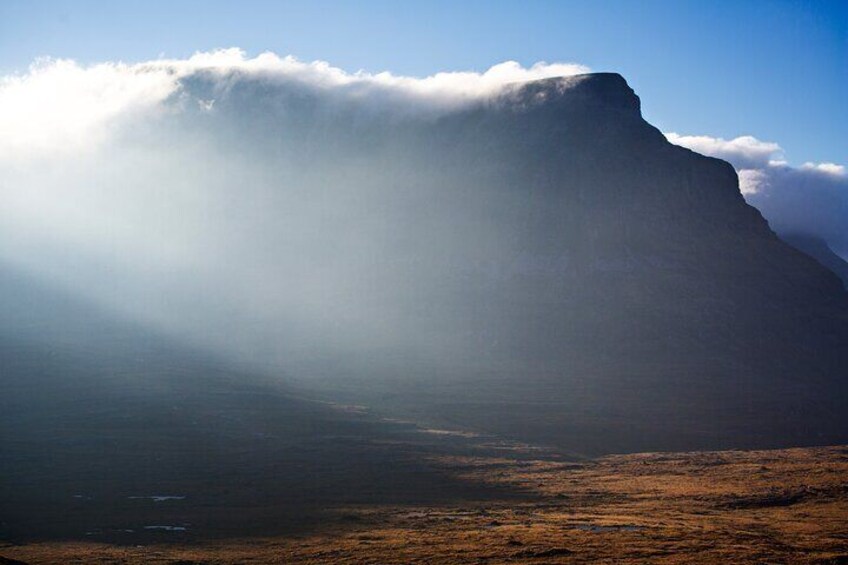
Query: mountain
point(540, 264)
point(818, 249)
point(549, 267)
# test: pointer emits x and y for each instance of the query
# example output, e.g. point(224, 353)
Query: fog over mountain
point(520, 239)
point(161, 190)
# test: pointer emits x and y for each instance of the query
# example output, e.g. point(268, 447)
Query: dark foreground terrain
point(519, 505)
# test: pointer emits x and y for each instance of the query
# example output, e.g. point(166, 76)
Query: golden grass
point(782, 506)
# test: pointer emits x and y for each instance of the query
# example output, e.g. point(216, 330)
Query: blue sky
point(777, 70)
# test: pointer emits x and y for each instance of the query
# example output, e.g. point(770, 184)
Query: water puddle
point(157, 497)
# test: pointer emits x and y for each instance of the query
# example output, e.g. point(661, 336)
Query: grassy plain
point(776, 506)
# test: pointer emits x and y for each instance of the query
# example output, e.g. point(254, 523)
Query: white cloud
point(751, 181)
point(744, 152)
point(829, 168)
point(59, 105)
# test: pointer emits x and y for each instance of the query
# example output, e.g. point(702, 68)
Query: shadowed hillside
point(108, 432)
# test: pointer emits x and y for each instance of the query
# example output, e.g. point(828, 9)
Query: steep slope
point(818, 249)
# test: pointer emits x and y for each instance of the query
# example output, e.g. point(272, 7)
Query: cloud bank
point(811, 199)
point(745, 152)
point(59, 105)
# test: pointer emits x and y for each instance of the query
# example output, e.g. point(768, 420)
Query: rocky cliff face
point(658, 238)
